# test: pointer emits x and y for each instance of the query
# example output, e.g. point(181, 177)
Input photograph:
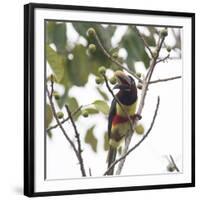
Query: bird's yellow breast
point(130, 109)
point(123, 128)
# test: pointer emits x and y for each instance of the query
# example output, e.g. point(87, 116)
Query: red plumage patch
point(117, 119)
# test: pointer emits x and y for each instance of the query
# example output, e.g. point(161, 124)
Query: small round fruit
point(102, 70)
point(138, 74)
point(85, 113)
point(60, 115)
point(113, 80)
point(92, 48)
point(170, 167)
point(52, 78)
point(139, 86)
point(139, 129)
point(164, 32)
point(98, 80)
point(91, 32)
point(56, 95)
point(115, 55)
point(169, 48)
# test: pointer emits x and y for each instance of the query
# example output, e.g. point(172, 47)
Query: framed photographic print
point(108, 99)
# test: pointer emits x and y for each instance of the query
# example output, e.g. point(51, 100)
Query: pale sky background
point(150, 157)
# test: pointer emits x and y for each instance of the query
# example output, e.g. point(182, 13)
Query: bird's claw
point(138, 116)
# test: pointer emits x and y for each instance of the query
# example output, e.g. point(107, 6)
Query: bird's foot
point(138, 116)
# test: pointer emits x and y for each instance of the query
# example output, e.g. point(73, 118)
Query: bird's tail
point(111, 158)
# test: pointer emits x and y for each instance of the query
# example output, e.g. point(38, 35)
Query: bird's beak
point(124, 81)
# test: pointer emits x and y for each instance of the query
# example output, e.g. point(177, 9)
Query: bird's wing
point(112, 113)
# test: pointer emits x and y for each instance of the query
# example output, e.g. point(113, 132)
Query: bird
point(118, 121)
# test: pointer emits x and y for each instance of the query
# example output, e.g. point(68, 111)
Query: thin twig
point(121, 106)
point(77, 135)
point(136, 145)
point(64, 120)
point(163, 59)
point(154, 59)
point(143, 40)
point(90, 172)
point(174, 164)
point(52, 89)
point(165, 79)
point(60, 125)
point(114, 60)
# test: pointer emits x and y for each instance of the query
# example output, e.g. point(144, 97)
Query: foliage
point(73, 63)
point(102, 106)
point(91, 139)
point(49, 115)
point(136, 52)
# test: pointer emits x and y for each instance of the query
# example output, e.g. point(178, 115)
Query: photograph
point(108, 87)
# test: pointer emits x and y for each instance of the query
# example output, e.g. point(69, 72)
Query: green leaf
point(73, 105)
point(103, 94)
point(106, 143)
point(50, 135)
point(102, 106)
point(50, 26)
point(56, 34)
point(104, 36)
point(78, 67)
point(60, 38)
point(56, 62)
point(91, 139)
point(82, 28)
point(111, 29)
point(49, 115)
point(150, 39)
point(135, 48)
point(91, 111)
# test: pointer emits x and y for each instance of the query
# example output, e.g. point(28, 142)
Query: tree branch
point(174, 164)
point(163, 59)
point(64, 120)
point(90, 172)
point(114, 60)
point(77, 135)
point(165, 79)
point(60, 125)
point(143, 40)
point(136, 145)
point(52, 83)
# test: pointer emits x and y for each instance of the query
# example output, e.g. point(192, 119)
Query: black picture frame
point(29, 96)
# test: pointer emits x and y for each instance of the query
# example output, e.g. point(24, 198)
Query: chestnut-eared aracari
point(118, 121)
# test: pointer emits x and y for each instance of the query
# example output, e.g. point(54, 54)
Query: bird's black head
point(127, 88)
point(125, 82)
